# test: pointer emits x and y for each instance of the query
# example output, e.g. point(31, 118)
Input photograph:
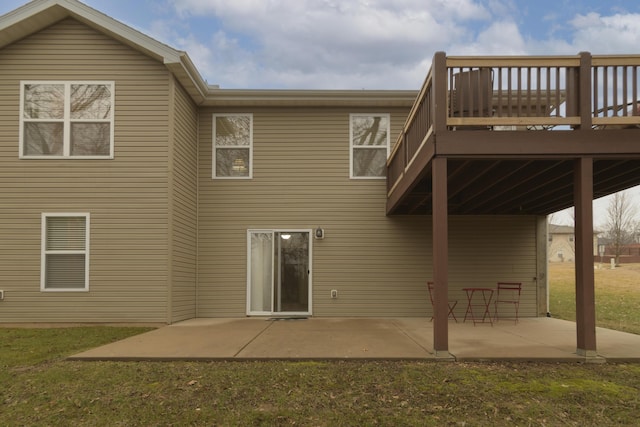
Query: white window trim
point(43, 258)
point(352, 147)
point(67, 118)
point(214, 148)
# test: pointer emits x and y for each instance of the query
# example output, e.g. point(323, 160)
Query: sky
point(370, 44)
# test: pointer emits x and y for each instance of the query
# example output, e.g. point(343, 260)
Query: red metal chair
point(507, 293)
point(451, 303)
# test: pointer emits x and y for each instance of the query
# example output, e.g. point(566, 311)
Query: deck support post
point(585, 289)
point(440, 226)
point(439, 87)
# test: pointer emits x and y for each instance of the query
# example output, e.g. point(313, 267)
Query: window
point(66, 120)
point(369, 145)
point(232, 145)
point(65, 252)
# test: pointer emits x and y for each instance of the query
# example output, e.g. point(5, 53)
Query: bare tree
point(621, 222)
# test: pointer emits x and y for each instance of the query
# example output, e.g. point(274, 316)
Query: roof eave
point(309, 98)
point(185, 71)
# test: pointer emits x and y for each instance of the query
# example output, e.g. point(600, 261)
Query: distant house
point(562, 245)
point(133, 191)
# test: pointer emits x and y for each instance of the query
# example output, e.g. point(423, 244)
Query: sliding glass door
point(279, 272)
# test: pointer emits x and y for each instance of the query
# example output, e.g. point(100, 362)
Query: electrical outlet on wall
point(1, 295)
point(334, 293)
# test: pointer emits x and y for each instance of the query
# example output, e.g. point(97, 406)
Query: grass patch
point(46, 390)
point(17, 344)
point(617, 295)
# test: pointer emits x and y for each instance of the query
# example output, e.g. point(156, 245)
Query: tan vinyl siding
point(301, 181)
point(378, 264)
point(168, 242)
point(126, 196)
point(183, 201)
point(487, 249)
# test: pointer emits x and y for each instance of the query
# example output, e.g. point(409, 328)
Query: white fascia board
point(310, 98)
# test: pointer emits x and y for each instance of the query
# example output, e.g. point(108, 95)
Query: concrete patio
point(531, 339)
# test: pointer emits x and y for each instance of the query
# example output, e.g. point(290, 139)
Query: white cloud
point(373, 44)
point(500, 38)
point(607, 34)
point(334, 44)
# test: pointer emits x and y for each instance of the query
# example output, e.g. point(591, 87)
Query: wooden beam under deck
point(538, 144)
point(535, 166)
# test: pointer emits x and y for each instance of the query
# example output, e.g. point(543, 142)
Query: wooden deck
point(511, 129)
point(518, 136)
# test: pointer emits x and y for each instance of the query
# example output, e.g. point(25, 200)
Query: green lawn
point(37, 387)
point(617, 295)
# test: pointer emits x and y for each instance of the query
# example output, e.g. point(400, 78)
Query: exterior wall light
point(319, 233)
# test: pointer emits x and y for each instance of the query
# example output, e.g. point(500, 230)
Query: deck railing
point(615, 81)
point(519, 93)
